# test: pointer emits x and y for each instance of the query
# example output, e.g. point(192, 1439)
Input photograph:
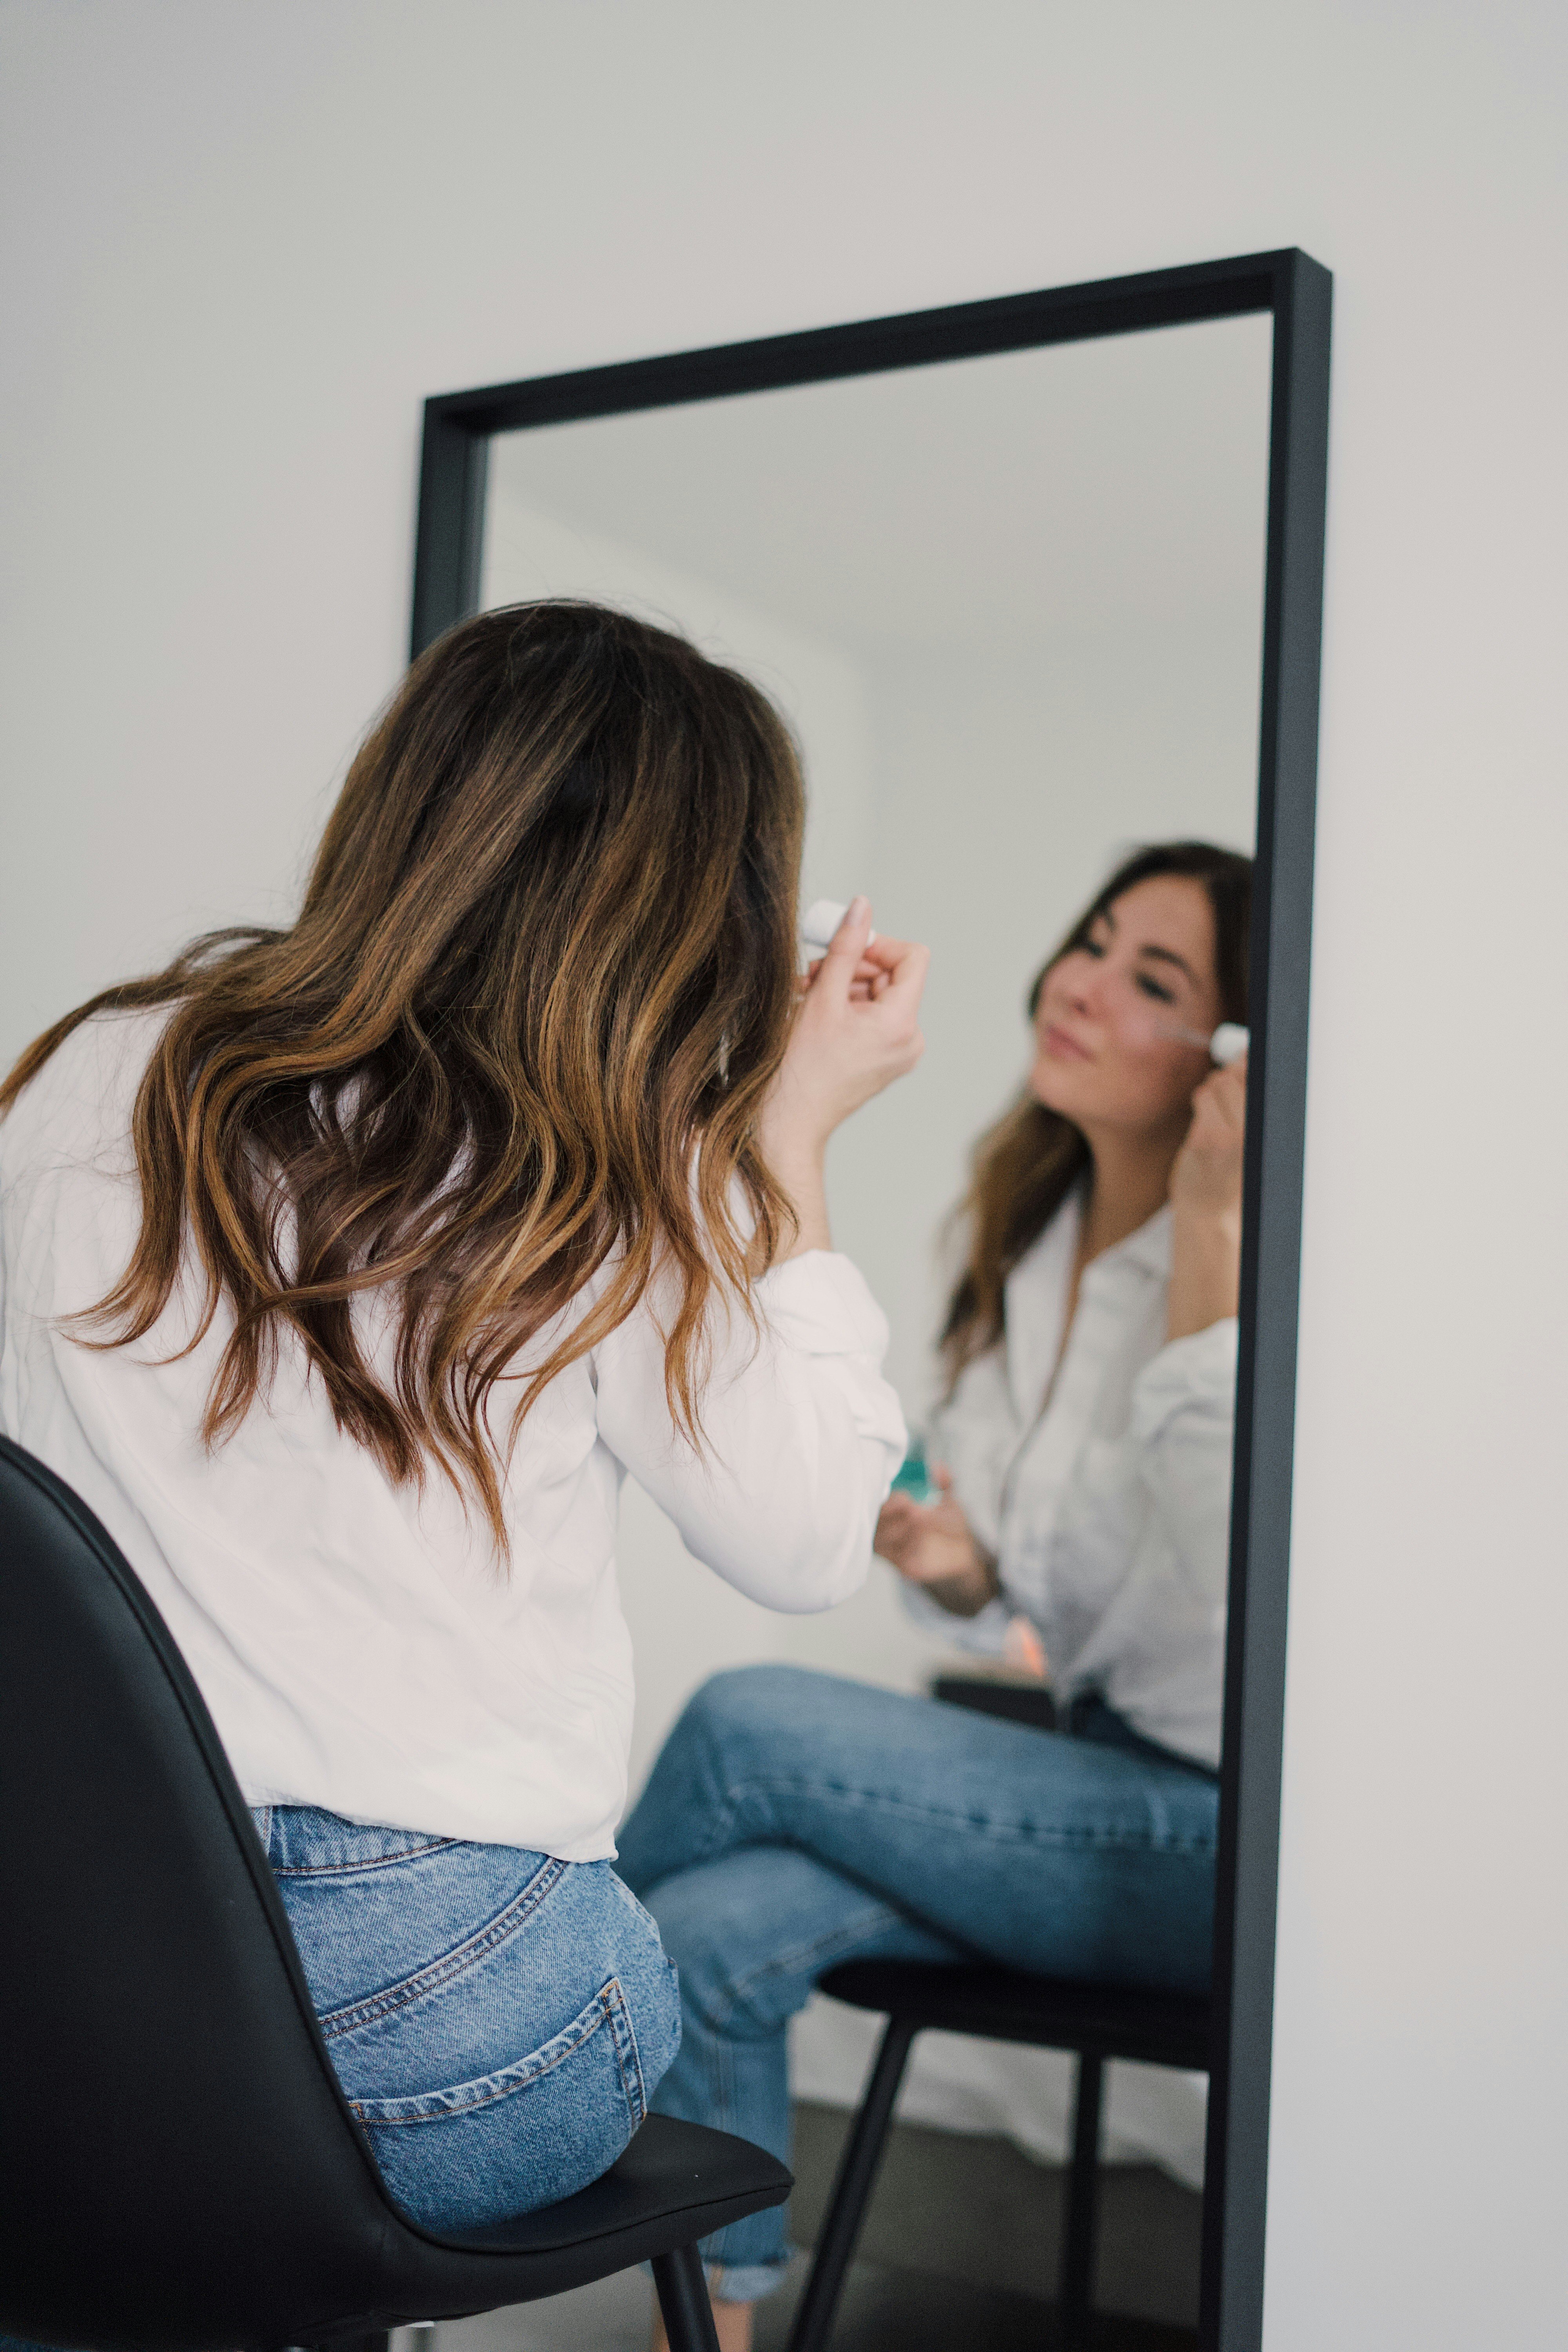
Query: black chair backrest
point(176, 2146)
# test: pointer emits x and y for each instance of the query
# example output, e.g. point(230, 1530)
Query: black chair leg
point(1075, 2293)
point(852, 2190)
point(683, 2301)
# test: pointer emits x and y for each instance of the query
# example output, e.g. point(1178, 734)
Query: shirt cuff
point(821, 1304)
point(1198, 1369)
point(984, 1635)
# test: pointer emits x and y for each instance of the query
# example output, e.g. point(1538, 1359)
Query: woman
point(346, 1270)
point(794, 1819)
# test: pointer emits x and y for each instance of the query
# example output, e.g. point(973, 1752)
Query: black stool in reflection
point(182, 2167)
point(1094, 2021)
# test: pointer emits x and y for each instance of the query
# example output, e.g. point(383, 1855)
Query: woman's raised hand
point(1206, 1180)
point(857, 1030)
point(1205, 1203)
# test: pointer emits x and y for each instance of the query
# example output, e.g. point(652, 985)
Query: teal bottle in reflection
point(913, 1477)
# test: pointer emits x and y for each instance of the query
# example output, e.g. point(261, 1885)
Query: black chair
point(1095, 2021)
point(181, 2166)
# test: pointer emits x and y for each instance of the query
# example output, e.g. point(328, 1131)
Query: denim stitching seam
point(847, 1932)
point(719, 2012)
point(629, 2057)
point(336, 2023)
point(1011, 1833)
point(488, 2090)
point(354, 1869)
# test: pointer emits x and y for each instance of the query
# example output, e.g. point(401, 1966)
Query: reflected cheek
point(1142, 1032)
point(1163, 1079)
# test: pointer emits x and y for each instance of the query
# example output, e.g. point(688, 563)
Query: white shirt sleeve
point(802, 1435)
point(984, 1635)
point(1184, 1418)
point(1160, 1491)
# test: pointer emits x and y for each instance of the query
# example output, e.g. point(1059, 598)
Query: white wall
point(239, 244)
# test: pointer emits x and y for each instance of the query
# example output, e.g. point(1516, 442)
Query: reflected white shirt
point(1107, 1508)
point(357, 1643)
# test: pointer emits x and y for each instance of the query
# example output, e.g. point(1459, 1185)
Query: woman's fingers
point(1219, 1105)
point(893, 1523)
point(846, 948)
point(934, 1546)
point(1207, 1177)
point(852, 1035)
point(883, 976)
point(905, 964)
point(889, 968)
point(1234, 1096)
point(868, 977)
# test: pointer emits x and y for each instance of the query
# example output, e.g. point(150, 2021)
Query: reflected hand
point(1206, 1180)
point(1206, 1204)
point(931, 1545)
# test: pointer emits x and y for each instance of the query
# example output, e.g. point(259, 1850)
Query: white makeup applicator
point(1228, 1044)
point(820, 921)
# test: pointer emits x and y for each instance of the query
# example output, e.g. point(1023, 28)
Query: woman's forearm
point(798, 1170)
point(1205, 1272)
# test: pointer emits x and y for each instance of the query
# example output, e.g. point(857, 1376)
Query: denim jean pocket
point(493, 2146)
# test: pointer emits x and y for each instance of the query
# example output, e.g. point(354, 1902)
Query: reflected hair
point(519, 1038)
point(1024, 1167)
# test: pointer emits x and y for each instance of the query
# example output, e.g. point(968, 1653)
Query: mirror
point(1012, 608)
point(1012, 601)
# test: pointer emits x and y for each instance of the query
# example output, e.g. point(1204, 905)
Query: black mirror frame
point(1297, 293)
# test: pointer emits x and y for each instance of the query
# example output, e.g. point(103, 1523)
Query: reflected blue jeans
point(499, 2019)
point(794, 1819)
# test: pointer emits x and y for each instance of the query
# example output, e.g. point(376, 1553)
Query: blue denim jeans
point(794, 1819)
point(499, 2019)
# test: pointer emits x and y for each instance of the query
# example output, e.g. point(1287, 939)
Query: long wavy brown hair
point(520, 1036)
point(1025, 1166)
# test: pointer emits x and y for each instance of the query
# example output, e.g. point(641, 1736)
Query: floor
point(959, 2249)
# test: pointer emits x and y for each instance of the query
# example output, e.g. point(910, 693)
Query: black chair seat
point(1096, 2021)
point(675, 2183)
point(182, 2168)
point(1163, 2029)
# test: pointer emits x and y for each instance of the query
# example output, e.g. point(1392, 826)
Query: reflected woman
point(797, 1820)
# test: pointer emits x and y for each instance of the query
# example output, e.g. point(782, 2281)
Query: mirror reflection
point(1011, 608)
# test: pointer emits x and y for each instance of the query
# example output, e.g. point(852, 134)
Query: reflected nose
point(1082, 989)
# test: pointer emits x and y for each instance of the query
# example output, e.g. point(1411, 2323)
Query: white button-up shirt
point(357, 1643)
point(1105, 1502)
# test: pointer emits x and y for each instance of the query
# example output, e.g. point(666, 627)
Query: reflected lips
point(1067, 1049)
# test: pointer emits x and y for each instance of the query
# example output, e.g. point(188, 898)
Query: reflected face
point(1108, 1051)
